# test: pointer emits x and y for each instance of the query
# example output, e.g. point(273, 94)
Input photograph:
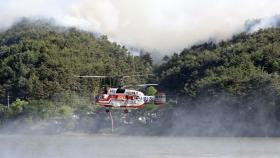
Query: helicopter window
point(120, 90)
point(99, 97)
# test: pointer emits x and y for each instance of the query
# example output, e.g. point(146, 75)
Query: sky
point(164, 26)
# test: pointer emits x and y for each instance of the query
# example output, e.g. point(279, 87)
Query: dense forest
point(242, 65)
point(238, 78)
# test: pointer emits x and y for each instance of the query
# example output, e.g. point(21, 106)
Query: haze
point(164, 26)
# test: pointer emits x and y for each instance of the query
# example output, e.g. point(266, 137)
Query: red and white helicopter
point(126, 99)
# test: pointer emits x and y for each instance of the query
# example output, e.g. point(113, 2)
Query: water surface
point(107, 146)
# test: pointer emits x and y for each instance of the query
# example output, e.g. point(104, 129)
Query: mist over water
point(222, 114)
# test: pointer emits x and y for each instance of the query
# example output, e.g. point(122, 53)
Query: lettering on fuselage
point(149, 99)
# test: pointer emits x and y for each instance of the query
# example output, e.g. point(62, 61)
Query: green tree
point(151, 91)
point(17, 106)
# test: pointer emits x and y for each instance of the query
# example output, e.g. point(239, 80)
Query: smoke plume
point(155, 25)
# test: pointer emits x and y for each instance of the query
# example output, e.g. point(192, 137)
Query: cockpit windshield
point(120, 90)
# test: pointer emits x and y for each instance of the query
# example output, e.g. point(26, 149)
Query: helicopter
point(124, 98)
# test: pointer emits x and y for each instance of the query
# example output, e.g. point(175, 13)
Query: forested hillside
point(39, 60)
point(242, 65)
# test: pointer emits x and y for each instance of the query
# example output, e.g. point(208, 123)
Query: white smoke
point(162, 25)
point(255, 25)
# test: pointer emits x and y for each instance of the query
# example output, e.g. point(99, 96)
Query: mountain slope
point(242, 65)
point(39, 60)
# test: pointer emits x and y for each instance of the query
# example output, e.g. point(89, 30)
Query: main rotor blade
point(145, 85)
point(137, 75)
point(112, 76)
point(92, 76)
